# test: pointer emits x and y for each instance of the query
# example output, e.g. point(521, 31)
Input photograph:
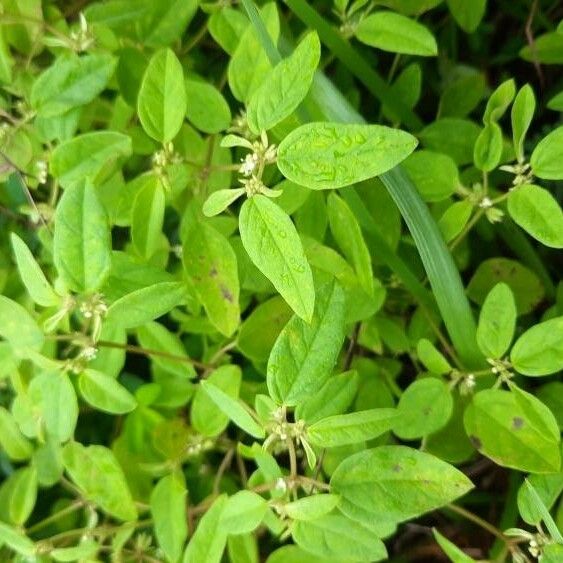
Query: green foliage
point(277, 278)
point(396, 33)
point(324, 156)
point(162, 97)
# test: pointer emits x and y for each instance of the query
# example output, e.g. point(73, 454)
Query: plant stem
point(149, 352)
point(199, 35)
point(225, 463)
point(56, 516)
point(99, 531)
point(292, 458)
point(468, 515)
point(467, 228)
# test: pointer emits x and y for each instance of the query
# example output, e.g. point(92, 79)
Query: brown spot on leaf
point(475, 441)
point(397, 468)
point(517, 422)
point(227, 295)
point(213, 272)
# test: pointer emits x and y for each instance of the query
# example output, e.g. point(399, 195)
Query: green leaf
point(206, 417)
point(451, 550)
point(488, 147)
point(234, 409)
point(521, 116)
point(104, 393)
point(272, 242)
point(85, 550)
point(48, 460)
point(96, 471)
point(166, 21)
point(155, 336)
point(525, 285)
point(32, 276)
point(345, 429)
point(539, 351)
point(499, 101)
point(211, 264)
point(312, 507)
point(218, 201)
point(23, 494)
point(12, 441)
point(546, 49)
point(407, 87)
point(146, 304)
point(434, 174)
point(432, 358)
point(467, 13)
point(333, 398)
point(249, 63)
point(89, 155)
point(497, 322)
point(550, 524)
point(396, 33)
point(538, 213)
point(50, 402)
point(521, 436)
point(19, 328)
point(15, 540)
point(243, 513)
point(162, 98)
point(551, 394)
point(547, 487)
point(292, 553)
point(337, 537)
point(243, 548)
point(147, 218)
point(454, 219)
point(208, 541)
point(71, 81)
point(227, 26)
point(552, 553)
point(323, 156)
point(168, 510)
point(425, 407)
point(556, 103)
point(260, 329)
point(462, 95)
point(395, 483)
point(304, 354)
point(452, 136)
point(206, 107)
point(285, 86)
point(546, 159)
point(348, 235)
point(82, 242)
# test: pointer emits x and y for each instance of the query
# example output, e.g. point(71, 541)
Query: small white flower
point(485, 203)
point(281, 485)
point(89, 353)
point(467, 384)
point(249, 164)
point(41, 168)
